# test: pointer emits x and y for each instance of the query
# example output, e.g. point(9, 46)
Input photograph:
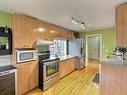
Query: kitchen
point(38, 57)
point(26, 51)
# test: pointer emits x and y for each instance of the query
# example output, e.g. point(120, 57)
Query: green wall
point(108, 39)
point(5, 19)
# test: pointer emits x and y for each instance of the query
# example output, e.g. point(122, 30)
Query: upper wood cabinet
point(121, 24)
point(26, 31)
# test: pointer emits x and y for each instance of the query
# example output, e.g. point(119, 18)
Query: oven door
point(50, 69)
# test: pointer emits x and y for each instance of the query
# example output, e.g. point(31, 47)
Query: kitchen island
point(113, 77)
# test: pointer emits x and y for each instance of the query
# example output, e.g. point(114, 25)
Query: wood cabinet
point(66, 67)
point(22, 77)
point(27, 76)
point(26, 31)
point(33, 75)
point(121, 24)
point(63, 69)
point(23, 31)
point(113, 79)
point(25, 34)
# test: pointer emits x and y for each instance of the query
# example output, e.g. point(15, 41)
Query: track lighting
point(77, 21)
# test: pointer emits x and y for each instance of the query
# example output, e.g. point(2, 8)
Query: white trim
point(100, 45)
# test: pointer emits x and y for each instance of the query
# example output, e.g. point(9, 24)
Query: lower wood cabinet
point(27, 76)
point(113, 79)
point(63, 69)
point(66, 67)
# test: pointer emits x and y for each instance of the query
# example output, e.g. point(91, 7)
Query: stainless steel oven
point(48, 71)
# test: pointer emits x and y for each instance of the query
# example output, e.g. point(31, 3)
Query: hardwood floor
point(76, 83)
point(93, 63)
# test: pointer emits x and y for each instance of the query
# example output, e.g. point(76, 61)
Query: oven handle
point(51, 62)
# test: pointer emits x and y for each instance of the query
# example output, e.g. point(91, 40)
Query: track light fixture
point(77, 21)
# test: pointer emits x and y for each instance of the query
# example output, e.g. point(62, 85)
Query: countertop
point(6, 68)
point(114, 62)
point(66, 57)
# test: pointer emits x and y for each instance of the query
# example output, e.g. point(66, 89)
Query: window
point(59, 48)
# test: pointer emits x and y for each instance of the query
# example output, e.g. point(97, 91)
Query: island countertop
point(114, 62)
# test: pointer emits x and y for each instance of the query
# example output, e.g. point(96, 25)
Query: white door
point(94, 47)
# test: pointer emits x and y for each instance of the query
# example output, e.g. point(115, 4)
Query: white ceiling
point(96, 13)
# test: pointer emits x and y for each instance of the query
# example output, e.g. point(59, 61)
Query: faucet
point(120, 51)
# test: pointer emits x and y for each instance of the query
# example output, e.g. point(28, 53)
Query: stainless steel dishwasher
point(8, 80)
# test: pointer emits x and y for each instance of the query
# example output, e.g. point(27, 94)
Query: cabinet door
point(67, 67)
point(71, 65)
point(24, 31)
point(32, 32)
point(22, 78)
point(33, 75)
point(18, 31)
point(63, 69)
point(121, 24)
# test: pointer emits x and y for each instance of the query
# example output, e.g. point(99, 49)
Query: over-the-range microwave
point(24, 55)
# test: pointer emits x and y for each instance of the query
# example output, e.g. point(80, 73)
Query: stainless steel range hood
point(44, 42)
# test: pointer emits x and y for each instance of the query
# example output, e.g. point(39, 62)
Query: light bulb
point(84, 27)
point(73, 20)
point(82, 24)
point(87, 28)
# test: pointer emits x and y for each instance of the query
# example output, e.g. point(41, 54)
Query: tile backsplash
point(5, 60)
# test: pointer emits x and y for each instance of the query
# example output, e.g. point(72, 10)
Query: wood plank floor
point(76, 83)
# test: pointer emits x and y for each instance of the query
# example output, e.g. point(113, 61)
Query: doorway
point(93, 48)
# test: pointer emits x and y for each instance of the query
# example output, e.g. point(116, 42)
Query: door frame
point(100, 45)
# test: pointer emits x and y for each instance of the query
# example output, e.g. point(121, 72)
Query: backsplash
point(5, 60)
point(43, 48)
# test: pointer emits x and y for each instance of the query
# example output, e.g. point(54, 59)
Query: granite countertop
point(66, 57)
point(6, 68)
point(114, 62)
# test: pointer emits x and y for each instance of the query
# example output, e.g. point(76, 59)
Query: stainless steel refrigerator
point(77, 48)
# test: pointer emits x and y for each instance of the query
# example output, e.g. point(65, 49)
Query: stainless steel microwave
point(26, 55)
